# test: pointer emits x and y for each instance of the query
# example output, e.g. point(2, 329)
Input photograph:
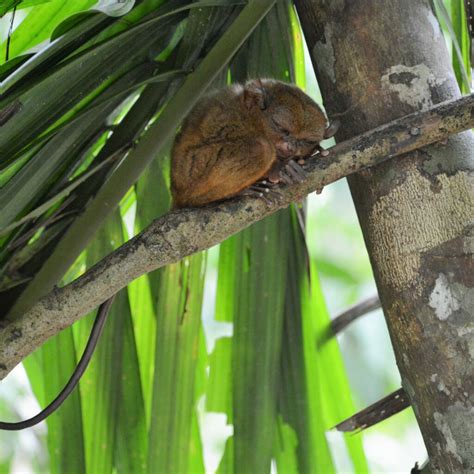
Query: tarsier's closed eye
point(280, 127)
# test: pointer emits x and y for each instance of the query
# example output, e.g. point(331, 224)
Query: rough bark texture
point(377, 412)
point(386, 59)
point(180, 233)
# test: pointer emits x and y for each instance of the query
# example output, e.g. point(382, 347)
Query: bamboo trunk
point(382, 59)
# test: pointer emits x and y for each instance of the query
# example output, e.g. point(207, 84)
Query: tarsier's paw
point(265, 191)
point(292, 172)
point(320, 151)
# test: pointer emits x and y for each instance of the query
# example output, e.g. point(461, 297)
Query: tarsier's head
point(290, 118)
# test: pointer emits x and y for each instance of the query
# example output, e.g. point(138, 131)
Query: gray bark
point(385, 59)
point(180, 233)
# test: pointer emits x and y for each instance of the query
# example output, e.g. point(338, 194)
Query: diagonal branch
point(184, 232)
point(339, 323)
point(377, 412)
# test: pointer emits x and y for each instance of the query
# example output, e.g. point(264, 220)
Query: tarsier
point(241, 135)
point(232, 139)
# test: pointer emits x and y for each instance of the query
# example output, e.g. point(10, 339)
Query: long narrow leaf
point(111, 380)
point(177, 349)
point(77, 79)
point(40, 22)
point(56, 51)
point(456, 34)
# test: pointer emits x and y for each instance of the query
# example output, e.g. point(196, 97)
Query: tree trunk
point(381, 59)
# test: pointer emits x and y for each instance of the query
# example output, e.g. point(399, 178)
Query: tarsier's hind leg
point(223, 170)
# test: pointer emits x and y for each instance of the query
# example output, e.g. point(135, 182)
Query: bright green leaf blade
point(336, 393)
point(49, 56)
point(112, 382)
point(456, 34)
point(225, 300)
point(219, 388)
point(461, 56)
point(33, 365)
point(286, 445)
point(300, 401)
point(258, 328)
point(65, 431)
point(196, 453)
point(177, 349)
point(144, 322)
point(131, 432)
point(9, 5)
point(298, 50)
point(40, 23)
point(153, 200)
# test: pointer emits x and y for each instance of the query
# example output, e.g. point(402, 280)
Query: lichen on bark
point(381, 59)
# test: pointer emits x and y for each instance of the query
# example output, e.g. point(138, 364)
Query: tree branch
point(339, 323)
point(377, 412)
point(184, 232)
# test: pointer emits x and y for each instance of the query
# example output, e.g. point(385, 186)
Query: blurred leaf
point(153, 200)
point(11, 65)
point(177, 349)
point(65, 437)
point(457, 28)
point(300, 385)
point(46, 58)
point(329, 268)
point(113, 435)
point(219, 387)
point(114, 7)
point(336, 401)
point(258, 327)
point(462, 58)
point(286, 444)
point(8, 5)
point(40, 23)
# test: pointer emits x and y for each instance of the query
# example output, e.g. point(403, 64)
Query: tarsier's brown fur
point(239, 135)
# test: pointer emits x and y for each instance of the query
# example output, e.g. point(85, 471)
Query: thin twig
point(377, 412)
point(360, 309)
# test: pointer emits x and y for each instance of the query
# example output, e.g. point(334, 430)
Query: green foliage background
point(235, 331)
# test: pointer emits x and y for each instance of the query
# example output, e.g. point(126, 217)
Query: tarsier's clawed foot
point(293, 172)
point(264, 191)
point(319, 150)
point(289, 173)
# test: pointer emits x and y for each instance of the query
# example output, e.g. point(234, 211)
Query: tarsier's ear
point(254, 93)
point(333, 127)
